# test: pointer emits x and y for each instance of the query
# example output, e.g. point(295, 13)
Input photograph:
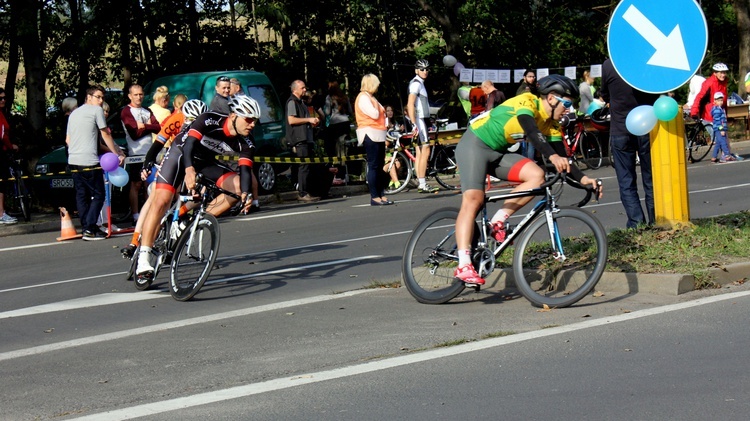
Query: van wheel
point(266, 178)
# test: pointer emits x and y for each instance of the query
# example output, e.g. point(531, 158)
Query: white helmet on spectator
point(720, 67)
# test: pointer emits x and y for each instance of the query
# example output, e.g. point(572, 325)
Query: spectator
point(418, 109)
point(720, 130)
point(161, 102)
point(390, 121)
point(220, 102)
point(494, 97)
point(371, 132)
point(703, 102)
point(61, 125)
point(528, 84)
point(178, 102)
point(478, 101)
point(464, 97)
point(140, 124)
point(299, 131)
point(86, 124)
point(587, 95)
point(337, 111)
point(235, 87)
point(5, 145)
point(696, 82)
point(627, 147)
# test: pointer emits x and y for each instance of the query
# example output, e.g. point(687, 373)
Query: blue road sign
point(657, 45)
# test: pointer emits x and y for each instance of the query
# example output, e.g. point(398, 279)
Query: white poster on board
point(518, 75)
point(596, 70)
point(479, 75)
point(543, 72)
point(466, 75)
point(504, 76)
point(492, 75)
point(571, 72)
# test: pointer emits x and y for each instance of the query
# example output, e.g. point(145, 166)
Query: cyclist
point(209, 135)
point(484, 148)
point(418, 110)
point(174, 126)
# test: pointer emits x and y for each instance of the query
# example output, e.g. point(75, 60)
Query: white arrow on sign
point(670, 50)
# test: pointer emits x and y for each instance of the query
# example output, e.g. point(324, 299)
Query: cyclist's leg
point(227, 179)
point(516, 168)
point(422, 148)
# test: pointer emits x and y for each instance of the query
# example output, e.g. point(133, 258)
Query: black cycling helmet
point(600, 119)
point(421, 64)
point(557, 83)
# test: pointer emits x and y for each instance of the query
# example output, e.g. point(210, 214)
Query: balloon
point(119, 177)
point(666, 108)
point(457, 68)
point(109, 162)
point(449, 61)
point(641, 120)
point(593, 107)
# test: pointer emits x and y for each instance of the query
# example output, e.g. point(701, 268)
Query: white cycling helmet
point(720, 67)
point(193, 108)
point(244, 106)
point(422, 64)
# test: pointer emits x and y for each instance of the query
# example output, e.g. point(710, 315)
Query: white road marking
point(221, 395)
point(86, 278)
point(279, 215)
point(83, 302)
point(31, 246)
point(37, 350)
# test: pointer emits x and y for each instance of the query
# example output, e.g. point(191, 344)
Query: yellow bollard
point(669, 168)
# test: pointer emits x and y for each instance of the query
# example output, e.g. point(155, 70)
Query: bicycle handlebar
point(201, 181)
point(589, 191)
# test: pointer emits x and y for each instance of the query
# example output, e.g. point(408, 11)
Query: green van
point(268, 135)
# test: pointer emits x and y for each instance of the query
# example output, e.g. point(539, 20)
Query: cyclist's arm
point(559, 149)
point(534, 136)
point(246, 170)
point(153, 151)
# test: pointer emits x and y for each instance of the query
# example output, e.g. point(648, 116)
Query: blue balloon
point(641, 120)
point(593, 107)
point(666, 108)
point(119, 177)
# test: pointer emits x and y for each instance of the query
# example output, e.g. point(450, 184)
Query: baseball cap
point(718, 95)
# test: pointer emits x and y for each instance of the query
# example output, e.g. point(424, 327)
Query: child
point(720, 130)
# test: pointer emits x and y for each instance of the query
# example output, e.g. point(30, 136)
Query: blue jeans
point(89, 187)
point(624, 150)
point(375, 161)
point(721, 144)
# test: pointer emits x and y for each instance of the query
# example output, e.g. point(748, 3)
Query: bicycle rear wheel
point(194, 257)
point(403, 172)
point(545, 277)
point(591, 150)
point(430, 258)
point(446, 168)
point(699, 144)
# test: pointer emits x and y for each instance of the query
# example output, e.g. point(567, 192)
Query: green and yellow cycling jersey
point(499, 128)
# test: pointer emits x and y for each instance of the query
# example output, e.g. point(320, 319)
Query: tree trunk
point(742, 9)
point(14, 60)
point(28, 40)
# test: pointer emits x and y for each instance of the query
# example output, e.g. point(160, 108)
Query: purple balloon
point(109, 162)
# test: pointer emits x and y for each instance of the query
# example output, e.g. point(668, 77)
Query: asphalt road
point(287, 328)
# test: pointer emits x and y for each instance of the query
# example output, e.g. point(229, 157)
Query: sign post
point(656, 47)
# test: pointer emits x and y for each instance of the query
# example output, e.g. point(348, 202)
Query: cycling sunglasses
point(565, 102)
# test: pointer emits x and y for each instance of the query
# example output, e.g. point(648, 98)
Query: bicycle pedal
point(475, 287)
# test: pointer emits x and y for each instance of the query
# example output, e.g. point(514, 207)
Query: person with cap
point(719, 119)
point(418, 110)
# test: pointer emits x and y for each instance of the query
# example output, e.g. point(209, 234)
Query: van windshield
point(270, 109)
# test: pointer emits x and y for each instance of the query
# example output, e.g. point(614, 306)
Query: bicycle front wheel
point(431, 257)
point(699, 144)
point(402, 167)
point(591, 150)
point(446, 168)
point(559, 274)
point(194, 257)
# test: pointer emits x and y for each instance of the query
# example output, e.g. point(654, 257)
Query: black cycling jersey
point(209, 136)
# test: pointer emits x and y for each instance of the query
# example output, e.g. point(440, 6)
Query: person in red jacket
point(704, 100)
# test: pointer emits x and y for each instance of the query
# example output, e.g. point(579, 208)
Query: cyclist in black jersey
point(211, 134)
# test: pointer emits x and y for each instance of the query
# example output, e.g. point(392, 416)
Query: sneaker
point(737, 157)
point(95, 235)
point(394, 185)
point(729, 158)
point(144, 267)
point(428, 189)
point(499, 232)
point(128, 251)
point(468, 275)
point(308, 198)
point(7, 219)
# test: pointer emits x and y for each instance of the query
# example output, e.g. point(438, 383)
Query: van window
point(270, 109)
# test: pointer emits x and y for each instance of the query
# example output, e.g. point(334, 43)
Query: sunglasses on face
point(223, 79)
point(565, 102)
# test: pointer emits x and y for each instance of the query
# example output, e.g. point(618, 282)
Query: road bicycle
point(189, 245)
point(18, 197)
point(441, 164)
point(581, 144)
point(698, 140)
point(559, 254)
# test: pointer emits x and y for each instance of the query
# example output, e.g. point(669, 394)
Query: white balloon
point(457, 68)
point(449, 61)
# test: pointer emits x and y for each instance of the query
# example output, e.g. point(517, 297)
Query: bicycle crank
point(484, 261)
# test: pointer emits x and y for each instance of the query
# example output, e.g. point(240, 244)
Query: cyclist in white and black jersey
point(418, 110)
point(209, 135)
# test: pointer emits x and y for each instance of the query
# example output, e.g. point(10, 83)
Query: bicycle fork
point(557, 253)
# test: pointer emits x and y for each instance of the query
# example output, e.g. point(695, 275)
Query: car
point(268, 135)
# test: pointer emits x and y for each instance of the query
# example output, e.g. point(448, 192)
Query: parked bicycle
point(698, 141)
point(18, 196)
point(189, 245)
point(441, 163)
point(560, 252)
point(581, 145)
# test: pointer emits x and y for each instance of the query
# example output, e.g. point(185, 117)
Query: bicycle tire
point(193, 260)
point(130, 276)
point(591, 149)
point(446, 169)
point(544, 280)
point(404, 173)
point(699, 144)
point(430, 258)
